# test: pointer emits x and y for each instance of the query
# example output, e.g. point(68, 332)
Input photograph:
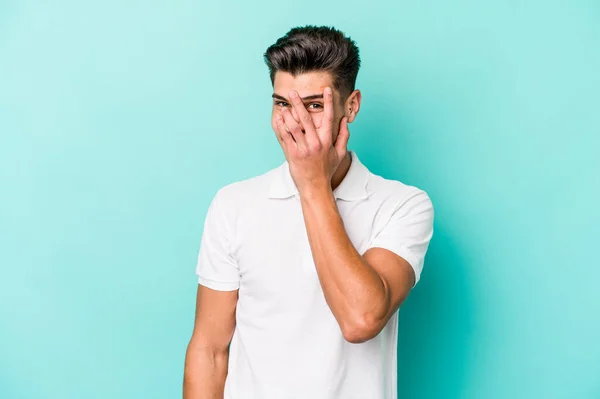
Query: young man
point(302, 269)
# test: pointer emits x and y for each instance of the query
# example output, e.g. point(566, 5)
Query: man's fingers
point(294, 128)
point(327, 121)
point(304, 117)
point(285, 138)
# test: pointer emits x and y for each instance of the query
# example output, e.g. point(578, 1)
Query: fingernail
point(293, 94)
point(327, 90)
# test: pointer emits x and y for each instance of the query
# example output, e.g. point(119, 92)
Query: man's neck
point(341, 171)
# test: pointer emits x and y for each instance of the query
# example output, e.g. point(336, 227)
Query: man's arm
point(207, 354)
point(363, 292)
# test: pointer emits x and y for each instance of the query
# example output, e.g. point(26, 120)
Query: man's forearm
point(205, 373)
point(354, 291)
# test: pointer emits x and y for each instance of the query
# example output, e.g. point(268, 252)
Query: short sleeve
point(217, 267)
point(408, 230)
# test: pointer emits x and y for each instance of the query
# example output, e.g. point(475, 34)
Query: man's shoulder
point(394, 192)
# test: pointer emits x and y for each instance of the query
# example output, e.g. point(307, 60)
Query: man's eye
point(315, 106)
point(281, 104)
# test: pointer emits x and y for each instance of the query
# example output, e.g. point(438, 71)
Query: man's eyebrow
point(311, 97)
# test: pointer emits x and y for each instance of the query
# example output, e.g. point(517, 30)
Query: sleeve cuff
point(219, 285)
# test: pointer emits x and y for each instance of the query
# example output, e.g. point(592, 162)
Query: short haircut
point(316, 48)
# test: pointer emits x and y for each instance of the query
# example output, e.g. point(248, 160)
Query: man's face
point(310, 88)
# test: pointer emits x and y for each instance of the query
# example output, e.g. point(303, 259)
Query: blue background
point(119, 120)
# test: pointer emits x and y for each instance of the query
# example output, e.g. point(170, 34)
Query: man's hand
point(310, 151)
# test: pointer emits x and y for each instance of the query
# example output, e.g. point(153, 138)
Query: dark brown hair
point(316, 48)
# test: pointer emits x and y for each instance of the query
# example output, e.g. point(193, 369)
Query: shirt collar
point(352, 188)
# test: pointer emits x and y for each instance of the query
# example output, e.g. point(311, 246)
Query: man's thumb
point(341, 142)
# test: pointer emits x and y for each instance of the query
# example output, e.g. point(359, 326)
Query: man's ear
point(353, 105)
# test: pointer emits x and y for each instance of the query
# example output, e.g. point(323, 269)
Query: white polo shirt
point(287, 343)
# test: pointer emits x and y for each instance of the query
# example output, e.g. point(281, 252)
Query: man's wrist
point(317, 191)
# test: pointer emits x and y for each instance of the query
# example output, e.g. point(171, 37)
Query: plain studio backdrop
point(119, 120)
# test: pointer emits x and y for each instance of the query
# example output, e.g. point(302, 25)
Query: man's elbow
point(361, 330)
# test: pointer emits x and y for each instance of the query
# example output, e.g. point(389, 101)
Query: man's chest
point(273, 250)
